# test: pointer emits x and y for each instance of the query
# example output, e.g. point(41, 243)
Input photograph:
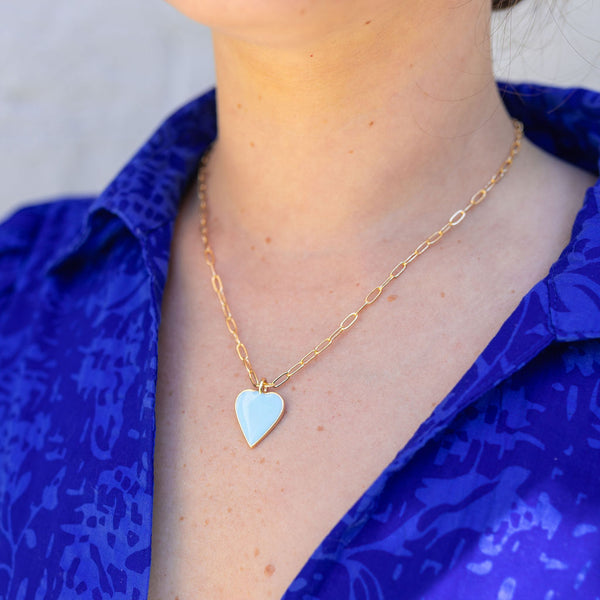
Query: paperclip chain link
point(349, 320)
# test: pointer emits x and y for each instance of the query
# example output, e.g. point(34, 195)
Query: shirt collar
point(574, 279)
point(562, 121)
point(566, 122)
point(145, 195)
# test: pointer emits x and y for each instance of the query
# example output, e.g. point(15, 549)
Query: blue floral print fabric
point(497, 496)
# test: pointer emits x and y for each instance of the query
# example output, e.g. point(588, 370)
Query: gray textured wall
point(83, 84)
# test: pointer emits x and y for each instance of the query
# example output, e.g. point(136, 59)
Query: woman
point(416, 458)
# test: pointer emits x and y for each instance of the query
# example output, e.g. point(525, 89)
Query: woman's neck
point(348, 130)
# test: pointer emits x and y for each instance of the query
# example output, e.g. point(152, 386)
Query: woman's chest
point(233, 522)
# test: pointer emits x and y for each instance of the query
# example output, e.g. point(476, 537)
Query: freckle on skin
point(367, 22)
point(256, 551)
point(269, 570)
point(371, 123)
point(442, 294)
point(262, 460)
point(320, 428)
point(350, 151)
point(251, 144)
point(267, 240)
point(392, 297)
point(229, 509)
point(182, 518)
point(239, 106)
point(206, 521)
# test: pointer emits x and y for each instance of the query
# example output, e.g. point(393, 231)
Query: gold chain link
point(349, 320)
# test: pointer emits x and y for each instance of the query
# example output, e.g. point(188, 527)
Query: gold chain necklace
point(258, 410)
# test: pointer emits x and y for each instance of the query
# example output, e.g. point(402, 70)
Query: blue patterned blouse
point(497, 496)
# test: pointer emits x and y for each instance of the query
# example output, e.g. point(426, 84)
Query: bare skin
point(302, 228)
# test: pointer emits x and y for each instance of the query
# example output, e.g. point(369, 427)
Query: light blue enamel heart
point(258, 413)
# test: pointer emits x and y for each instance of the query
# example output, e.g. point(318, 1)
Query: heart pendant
point(258, 413)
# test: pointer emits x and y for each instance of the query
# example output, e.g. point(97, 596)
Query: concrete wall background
point(83, 84)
